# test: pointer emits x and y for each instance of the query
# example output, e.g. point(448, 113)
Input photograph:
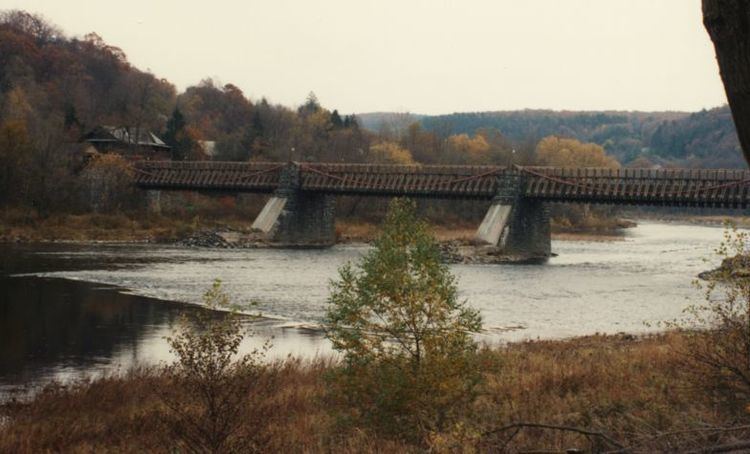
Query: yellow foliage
point(557, 151)
point(319, 121)
point(474, 148)
point(392, 153)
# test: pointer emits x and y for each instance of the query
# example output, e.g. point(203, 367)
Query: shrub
point(409, 356)
point(214, 397)
point(717, 347)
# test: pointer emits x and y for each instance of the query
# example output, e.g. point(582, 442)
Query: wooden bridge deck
point(664, 187)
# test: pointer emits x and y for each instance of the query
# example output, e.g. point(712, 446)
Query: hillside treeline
point(703, 139)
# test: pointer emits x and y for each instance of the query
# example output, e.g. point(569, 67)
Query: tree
point(108, 183)
point(558, 151)
point(311, 105)
point(336, 120)
point(175, 135)
point(390, 153)
point(32, 24)
point(15, 154)
point(406, 337)
point(728, 24)
point(468, 149)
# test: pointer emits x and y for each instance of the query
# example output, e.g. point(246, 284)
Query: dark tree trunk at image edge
point(728, 24)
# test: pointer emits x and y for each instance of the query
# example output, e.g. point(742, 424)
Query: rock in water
point(206, 238)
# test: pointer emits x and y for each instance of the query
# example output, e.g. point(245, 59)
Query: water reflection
point(63, 329)
point(50, 323)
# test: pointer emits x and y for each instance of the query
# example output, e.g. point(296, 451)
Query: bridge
point(301, 210)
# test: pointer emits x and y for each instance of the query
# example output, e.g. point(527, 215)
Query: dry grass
point(356, 231)
point(596, 237)
point(617, 385)
point(633, 390)
point(363, 231)
point(27, 226)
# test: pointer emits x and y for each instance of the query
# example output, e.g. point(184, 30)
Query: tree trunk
point(728, 24)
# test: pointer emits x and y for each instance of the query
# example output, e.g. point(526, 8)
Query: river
point(70, 311)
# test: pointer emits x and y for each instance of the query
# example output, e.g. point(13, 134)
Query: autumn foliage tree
point(563, 152)
point(387, 152)
point(409, 365)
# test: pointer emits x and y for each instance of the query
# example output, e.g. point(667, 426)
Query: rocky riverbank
point(466, 252)
point(452, 251)
point(221, 239)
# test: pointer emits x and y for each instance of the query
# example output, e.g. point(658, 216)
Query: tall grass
point(632, 390)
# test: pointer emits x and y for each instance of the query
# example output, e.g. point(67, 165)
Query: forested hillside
point(53, 89)
point(702, 139)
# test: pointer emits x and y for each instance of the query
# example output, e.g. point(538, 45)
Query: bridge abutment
point(293, 217)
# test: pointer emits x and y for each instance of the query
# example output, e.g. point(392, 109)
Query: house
point(130, 142)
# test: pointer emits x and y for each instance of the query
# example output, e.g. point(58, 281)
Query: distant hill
point(701, 139)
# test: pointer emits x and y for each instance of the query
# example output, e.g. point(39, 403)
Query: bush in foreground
point(213, 394)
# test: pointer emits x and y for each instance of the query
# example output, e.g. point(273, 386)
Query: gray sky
point(420, 56)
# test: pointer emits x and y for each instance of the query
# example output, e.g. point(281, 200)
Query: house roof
point(126, 135)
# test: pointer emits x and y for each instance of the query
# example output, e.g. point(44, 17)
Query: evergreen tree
point(310, 106)
point(336, 120)
point(353, 122)
point(175, 132)
point(257, 125)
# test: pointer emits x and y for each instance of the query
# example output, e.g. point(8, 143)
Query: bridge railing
point(414, 180)
point(208, 175)
point(673, 187)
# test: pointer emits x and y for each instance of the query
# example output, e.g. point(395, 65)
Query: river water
point(70, 311)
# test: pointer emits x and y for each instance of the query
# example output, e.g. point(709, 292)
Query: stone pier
point(293, 217)
point(529, 230)
point(517, 225)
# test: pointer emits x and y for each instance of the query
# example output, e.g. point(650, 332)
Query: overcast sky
point(419, 56)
